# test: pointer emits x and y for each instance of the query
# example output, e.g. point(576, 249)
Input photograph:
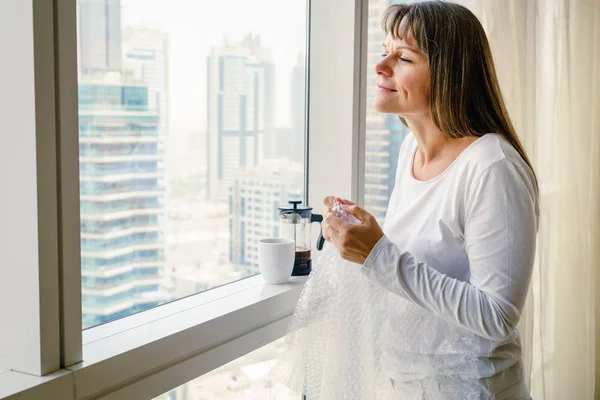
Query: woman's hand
point(328, 203)
point(354, 242)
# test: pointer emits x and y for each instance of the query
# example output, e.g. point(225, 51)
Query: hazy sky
point(195, 26)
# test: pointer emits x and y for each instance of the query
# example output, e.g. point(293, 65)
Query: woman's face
point(402, 79)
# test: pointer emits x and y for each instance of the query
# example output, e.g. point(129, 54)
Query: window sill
point(15, 385)
point(191, 336)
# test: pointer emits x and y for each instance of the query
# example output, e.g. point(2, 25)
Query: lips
point(385, 89)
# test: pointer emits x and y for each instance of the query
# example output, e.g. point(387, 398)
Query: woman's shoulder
point(491, 150)
point(487, 150)
point(494, 158)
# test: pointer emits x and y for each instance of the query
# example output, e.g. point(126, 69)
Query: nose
point(382, 68)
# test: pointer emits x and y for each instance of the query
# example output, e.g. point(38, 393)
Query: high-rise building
point(263, 56)
point(293, 145)
point(256, 196)
point(384, 133)
point(122, 200)
point(239, 88)
point(145, 57)
point(99, 35)
point(121, 169)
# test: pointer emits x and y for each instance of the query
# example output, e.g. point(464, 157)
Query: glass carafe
point(294, 223)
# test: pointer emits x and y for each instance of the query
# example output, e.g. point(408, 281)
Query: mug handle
point(320, 239)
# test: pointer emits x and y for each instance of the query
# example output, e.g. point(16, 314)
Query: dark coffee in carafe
point(302, 261)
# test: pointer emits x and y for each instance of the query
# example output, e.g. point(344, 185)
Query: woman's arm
point(500, 235)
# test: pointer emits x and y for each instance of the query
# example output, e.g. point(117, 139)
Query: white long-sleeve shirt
point(457, 255)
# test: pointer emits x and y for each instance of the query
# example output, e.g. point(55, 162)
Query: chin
point(385, 107)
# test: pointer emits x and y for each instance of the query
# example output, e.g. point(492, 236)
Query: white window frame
point(149, 353)
point(29, 286)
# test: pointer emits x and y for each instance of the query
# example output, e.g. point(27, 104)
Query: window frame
point(152, 352)
point(30, 295)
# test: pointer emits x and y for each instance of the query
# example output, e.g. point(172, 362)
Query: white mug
point(276, 259)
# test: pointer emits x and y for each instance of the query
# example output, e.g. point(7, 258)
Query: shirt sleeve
point(500, 235)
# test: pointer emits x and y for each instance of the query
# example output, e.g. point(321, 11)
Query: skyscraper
point(263, 57)
point(293, 145)
point(99, 35)
point(121, 173)
point(256, 196)
point(238, 89)
point(145, 56)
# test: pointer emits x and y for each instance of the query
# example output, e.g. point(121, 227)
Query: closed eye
point(384, 55)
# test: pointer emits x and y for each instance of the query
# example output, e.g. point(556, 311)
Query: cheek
point(413, 92)
point(413, 86)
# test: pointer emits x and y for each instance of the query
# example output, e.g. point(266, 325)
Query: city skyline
point(138, 250)
point(193, 33)
point(240, 108)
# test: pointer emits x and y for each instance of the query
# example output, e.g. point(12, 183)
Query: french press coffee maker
point(294, 223)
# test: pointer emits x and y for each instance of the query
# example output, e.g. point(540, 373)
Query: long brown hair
point(465, 97)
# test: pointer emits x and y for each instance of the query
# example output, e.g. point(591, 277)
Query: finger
point(324, 227)
point(326, 212)
point(328, 201)
point(359, 213)
point(347, 202)
point(353, 209)
point(334, 235)
point(337, 223)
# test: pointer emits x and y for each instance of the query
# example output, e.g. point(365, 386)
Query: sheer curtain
point(547, 53)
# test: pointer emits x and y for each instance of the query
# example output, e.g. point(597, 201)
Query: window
point(384, 133)
point(246, 378)
point(117, 127)
point(184, 108)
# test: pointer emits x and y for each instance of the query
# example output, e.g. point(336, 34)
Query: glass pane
point(246, 378)
point(191, 133)
point(385, 132)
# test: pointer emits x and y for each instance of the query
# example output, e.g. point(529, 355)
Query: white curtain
point(547, 54)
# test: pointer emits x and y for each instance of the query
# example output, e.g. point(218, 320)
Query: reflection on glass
point(191, 133)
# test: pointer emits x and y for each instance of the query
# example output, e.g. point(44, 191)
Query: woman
point(458, 244)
